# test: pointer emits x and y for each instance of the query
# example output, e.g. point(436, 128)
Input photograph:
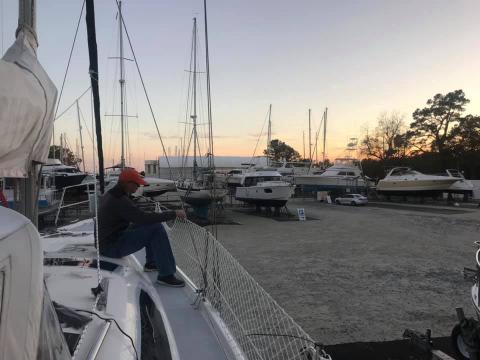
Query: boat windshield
point(235, 172)
point(454, 173)
point(403, 171)
point(254, 180)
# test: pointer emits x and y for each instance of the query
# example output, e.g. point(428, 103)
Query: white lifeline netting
point(261, 328)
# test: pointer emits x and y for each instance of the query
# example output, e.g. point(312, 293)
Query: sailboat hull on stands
point(201, 197)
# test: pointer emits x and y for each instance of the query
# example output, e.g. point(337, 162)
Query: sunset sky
point(358, 58)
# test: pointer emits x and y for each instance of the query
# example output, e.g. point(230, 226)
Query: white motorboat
point(155, 187)
point(292, 168)
point(234, 177)
point(64, 175)
point(405, 181)
point(344, 176)
point(264, 188)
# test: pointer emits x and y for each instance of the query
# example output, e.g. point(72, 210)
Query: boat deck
point(193, 330)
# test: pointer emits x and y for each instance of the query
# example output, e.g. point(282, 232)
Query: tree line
point(441, 136)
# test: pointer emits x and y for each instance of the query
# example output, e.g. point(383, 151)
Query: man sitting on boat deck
point(124, 229)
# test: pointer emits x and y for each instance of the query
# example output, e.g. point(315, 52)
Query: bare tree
point(388, 140)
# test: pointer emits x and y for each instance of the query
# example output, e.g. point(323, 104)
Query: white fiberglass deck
point(192, 329)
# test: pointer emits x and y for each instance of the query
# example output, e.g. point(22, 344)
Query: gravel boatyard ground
point(361, 274)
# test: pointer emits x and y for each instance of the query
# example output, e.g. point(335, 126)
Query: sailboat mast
point(211, 163)
point(324, 135)
point(81, 138)
point(304, 144)
point(93, 70)
point(194, 116)
point(61, 148)
point(269, 136)
point(122, 84)
point(309, 135)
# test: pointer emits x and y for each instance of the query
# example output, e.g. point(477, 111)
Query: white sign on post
point(301, 214)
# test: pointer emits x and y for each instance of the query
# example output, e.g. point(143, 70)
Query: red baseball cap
point(131, 175)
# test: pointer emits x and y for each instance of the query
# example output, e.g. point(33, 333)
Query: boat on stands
point(406, 181)
point(291, 168)
point(264, 188)
point(344, 176)
point(234, 176)
point(197, 194)
point(201, 189)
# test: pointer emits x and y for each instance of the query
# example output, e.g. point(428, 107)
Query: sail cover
point(27, 100)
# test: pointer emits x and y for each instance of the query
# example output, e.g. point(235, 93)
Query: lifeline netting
point(243, 305)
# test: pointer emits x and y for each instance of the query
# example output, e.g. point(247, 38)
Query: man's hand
point(181, 214)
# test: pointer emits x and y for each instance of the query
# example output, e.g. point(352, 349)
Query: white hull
point(337, 181)
point(267, 193)
point(234, 180)
point(201, 196)
point(414, 185)
point(156, 187)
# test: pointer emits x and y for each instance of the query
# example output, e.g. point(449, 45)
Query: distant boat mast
point(122, 84)
point(269, 134)
point(211, 162)
point(324, 134)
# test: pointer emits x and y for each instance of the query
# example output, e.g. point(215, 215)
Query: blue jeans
point(153, 238)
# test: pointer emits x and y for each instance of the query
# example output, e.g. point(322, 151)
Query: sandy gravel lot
point(360, 273)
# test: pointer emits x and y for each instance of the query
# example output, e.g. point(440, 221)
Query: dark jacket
point(117, 211)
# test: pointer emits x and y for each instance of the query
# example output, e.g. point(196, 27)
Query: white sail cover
point(27, 100)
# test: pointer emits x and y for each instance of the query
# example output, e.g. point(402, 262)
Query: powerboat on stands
point(264, 188)
point(291, 168)
point(405, 181)
point(344, 176)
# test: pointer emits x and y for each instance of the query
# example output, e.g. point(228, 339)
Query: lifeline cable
point(116, 323)
point(145, 90)
point(69, 58)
